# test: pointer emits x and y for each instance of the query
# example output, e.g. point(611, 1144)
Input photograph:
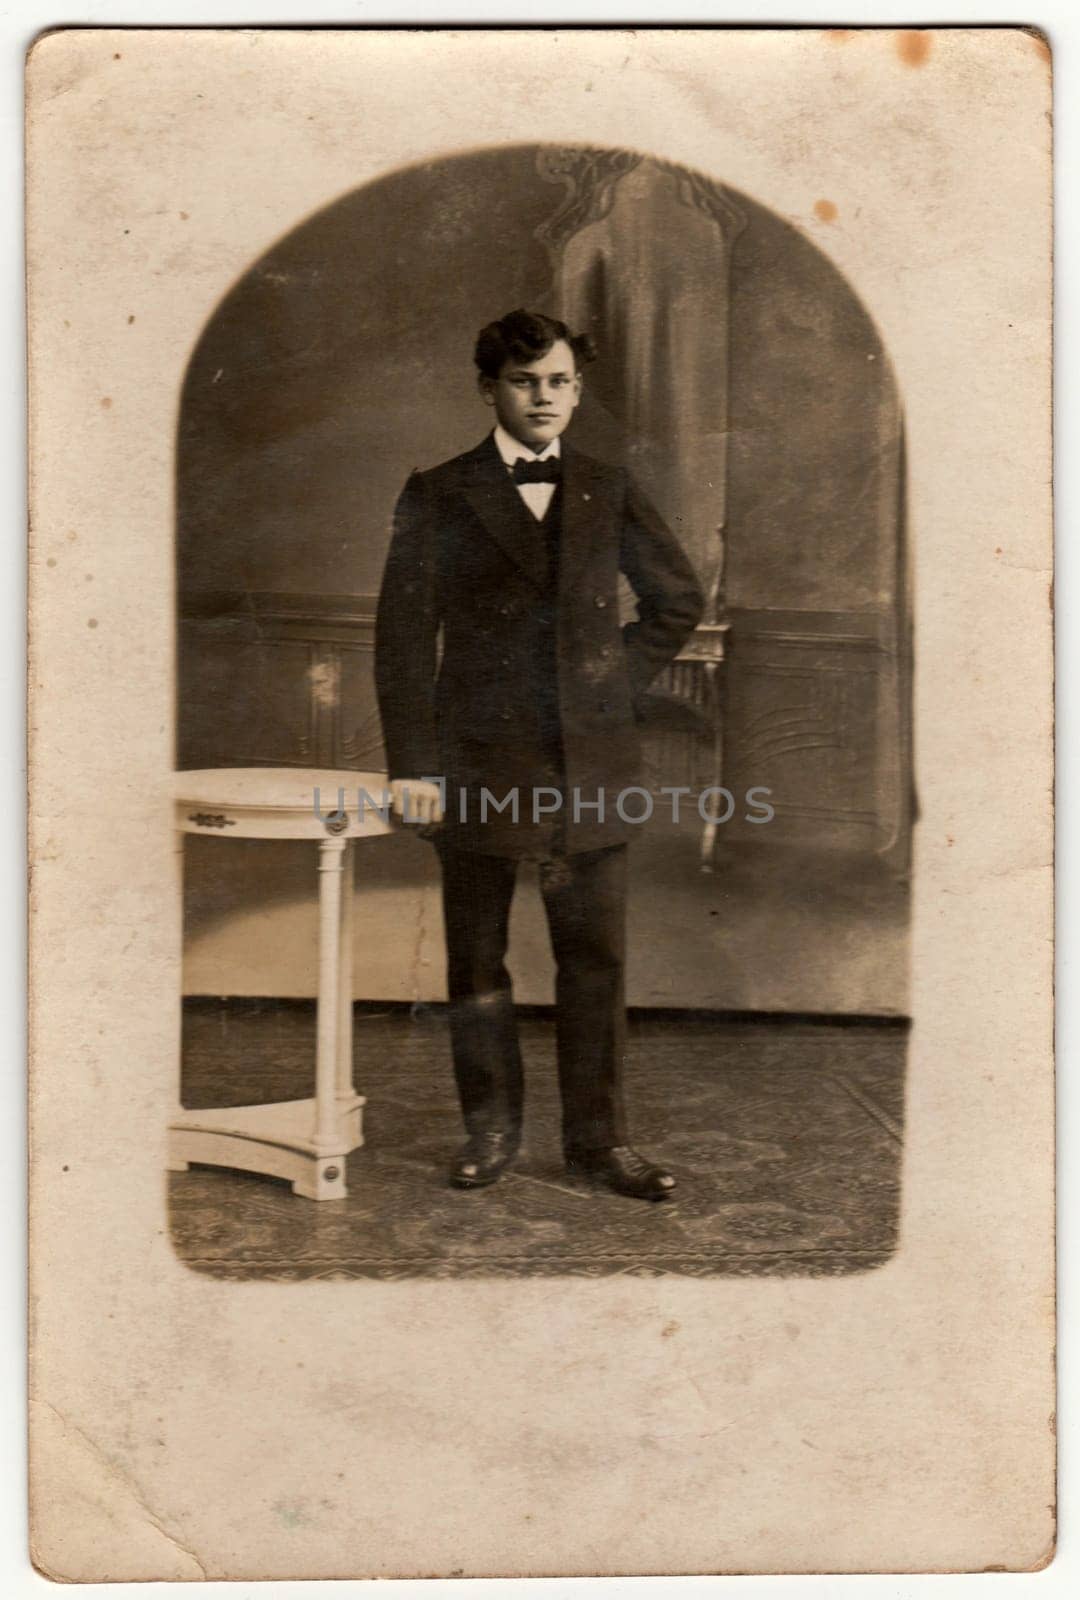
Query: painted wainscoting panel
point(278, 680)
point(811, 710)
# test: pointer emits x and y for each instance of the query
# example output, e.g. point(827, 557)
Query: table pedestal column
point(349, 1102)
point(303, 1141)
point(333, 1047)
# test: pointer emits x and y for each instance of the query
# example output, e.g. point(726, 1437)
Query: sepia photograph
point(543, 710)
point(540, 723)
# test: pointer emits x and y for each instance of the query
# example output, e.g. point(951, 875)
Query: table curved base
point(275, 1140)
point(302, 1141)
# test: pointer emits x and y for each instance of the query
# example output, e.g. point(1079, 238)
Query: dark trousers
point(585, 900)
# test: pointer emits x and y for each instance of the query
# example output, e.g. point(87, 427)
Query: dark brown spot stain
point(1041, 44)
point(913, 47)
point(825, 211)
point(130, 321)
point(669, 1328)
point(91, 622)
point(116, 56)
point(183, 216)
point(105, 402)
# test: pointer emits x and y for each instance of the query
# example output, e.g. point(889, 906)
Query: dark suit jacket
point(465, 563)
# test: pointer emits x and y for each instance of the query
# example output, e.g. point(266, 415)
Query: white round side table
point(304, 1141)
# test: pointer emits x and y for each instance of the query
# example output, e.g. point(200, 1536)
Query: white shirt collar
point(512, 449)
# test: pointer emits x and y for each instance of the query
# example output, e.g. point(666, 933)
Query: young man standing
point(518, 742)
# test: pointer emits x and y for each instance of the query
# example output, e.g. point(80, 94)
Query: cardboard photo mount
point(897, 1421)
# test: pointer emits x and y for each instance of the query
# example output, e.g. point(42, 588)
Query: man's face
point(535, 401)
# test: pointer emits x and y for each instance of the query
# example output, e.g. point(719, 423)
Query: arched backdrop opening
point(744, 383)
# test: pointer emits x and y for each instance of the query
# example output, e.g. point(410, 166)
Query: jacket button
point(600, 602)
point(605, 652)
point(504, 716)
point(504, 611)
point(505, 661)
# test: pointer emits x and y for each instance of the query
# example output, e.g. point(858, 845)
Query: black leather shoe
point(483, 1158)
point(623, 1170)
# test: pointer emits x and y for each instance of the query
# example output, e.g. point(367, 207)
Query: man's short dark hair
point(523, 337)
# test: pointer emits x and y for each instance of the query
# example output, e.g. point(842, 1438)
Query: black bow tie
point(549, 471)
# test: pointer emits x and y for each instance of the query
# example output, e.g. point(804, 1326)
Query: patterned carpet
point(785, 1137)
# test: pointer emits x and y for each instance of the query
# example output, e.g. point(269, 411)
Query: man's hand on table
point(415, 800)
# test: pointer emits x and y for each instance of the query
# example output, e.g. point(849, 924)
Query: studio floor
point(785, 1136)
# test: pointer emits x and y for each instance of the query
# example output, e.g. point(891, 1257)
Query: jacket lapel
point(490, 491)
point(580, 495)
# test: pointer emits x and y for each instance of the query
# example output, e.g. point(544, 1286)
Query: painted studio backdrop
point(746, 386)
